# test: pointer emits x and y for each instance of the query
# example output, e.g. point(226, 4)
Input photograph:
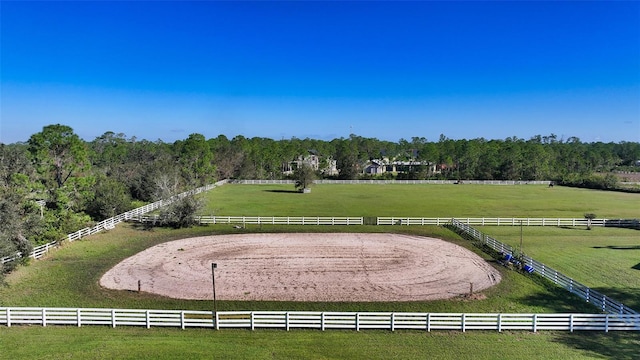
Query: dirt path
point(305, 267)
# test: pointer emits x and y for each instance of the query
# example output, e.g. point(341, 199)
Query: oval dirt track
point(305, 267)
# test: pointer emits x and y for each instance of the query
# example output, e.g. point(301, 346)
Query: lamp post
point(215, 309)
point(520, 238)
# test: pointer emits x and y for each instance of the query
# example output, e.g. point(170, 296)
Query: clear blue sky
point(389, 70)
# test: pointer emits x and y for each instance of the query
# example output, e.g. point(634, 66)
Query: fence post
point(44, 317)
point(8, 317)
point(606, 323)
point(182, 320)
point(78, 312)
point(357, 321)
point(148, 322)
point(252, 324)
point(393, 321)
point(499, 322)
point(535, 322)
point(571, 322)
point(286, 320)
point(322, 321)
point(113, 317)
point(428, 322)
point(463, 325)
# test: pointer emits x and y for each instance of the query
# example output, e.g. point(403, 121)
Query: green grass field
point(605, 259)
point(68, 278)
point(533, 201)
point(136, 343)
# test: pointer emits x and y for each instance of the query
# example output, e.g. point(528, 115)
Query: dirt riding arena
point(305, 267)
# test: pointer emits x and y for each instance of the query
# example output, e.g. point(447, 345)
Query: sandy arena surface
point(305, 267)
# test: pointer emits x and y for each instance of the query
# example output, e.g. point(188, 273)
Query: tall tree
point(20, 216)
point(347, 158)
point(58, 153)
point(195, 158)
point(61, 159)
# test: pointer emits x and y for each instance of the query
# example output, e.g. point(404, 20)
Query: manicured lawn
point(420, 201)
point(606, 259)
point(138, 343)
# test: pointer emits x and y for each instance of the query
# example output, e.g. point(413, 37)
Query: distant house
point(313, 160)
point(375, 167)
point(381, 166)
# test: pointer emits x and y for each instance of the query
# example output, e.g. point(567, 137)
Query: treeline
point(56, 183)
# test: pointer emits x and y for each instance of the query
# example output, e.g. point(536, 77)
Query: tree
point(181, 213)
point(195, 158)
point(110, 198)
point(228, 158)
point(58, 153)
point(589, 217)
point(347, 159)
point(21, 220)
point(304, 176)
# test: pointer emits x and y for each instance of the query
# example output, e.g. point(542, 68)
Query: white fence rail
point(395, 220)
point(110, 223)
point(287, 320)
point(599, 300)
point(511, 221)
point(270, 220)
point(382, 182)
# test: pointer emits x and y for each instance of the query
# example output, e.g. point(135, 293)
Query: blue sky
point(389, 70)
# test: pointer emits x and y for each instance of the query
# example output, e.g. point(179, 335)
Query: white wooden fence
point(270, 220)
point(510, 221)
point(287, 320)
point(597, 299)
point(110, 223)
point(397, 220)
point(382, 182)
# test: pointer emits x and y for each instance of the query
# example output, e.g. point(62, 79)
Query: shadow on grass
point(618, 247)
point(636, 266)
point(561, 300)
point(628, 296)
point(284, 191)
point(556, 299)
point(578, 228)
point(623, 345)
point(611, 345)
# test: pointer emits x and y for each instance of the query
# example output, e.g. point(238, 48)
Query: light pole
point(215, 309)
point(521, 238)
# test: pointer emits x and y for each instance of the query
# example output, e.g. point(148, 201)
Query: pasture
point(605, 259)
point(137, 343)
point(535, 201)
point(69, 278)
